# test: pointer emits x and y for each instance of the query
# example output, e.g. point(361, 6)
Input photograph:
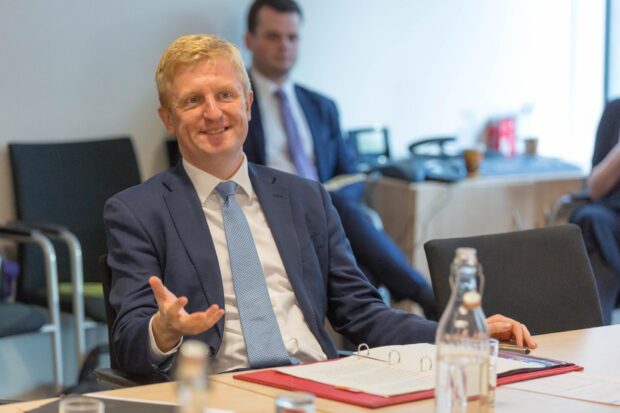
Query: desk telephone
point(445, 167)
point(429, 160)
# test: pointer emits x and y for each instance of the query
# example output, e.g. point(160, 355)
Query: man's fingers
point(159, 290)
point(506, 328)
point(198, 322)
point(527, 337)
point(173, 314)
point(177, 306)
point(499, 327)
point(162, 295)
point(214, 313)
point(517, 331)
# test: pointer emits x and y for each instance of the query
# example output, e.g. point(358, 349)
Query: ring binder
point(364, 368)
point(365, 348)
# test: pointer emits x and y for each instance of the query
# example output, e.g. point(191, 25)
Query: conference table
point(595, 349)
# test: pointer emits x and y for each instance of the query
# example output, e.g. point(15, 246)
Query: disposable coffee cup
point(531, 146)
point(473, 159)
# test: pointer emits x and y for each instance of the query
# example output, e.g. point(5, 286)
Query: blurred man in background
point(297, 130)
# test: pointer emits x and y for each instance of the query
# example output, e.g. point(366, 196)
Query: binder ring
point(363, 347)
point(430, 364)
point(390, 363)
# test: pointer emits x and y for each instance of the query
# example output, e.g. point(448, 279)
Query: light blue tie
point(258, 322)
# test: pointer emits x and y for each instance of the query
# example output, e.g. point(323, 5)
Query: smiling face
point(208, 111)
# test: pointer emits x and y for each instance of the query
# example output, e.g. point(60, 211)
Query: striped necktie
point(296, 151)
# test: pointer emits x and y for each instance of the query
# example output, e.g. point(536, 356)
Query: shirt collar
point(267, 88)
point(205, 183)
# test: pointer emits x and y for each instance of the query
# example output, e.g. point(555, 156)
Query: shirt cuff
point(158, 357)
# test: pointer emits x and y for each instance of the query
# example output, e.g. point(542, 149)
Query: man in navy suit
point(272, 37)
point(173, 274)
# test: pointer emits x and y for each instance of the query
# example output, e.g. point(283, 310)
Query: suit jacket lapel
point(276, 206)
point(313, 118)
point(254, 146)
point(189, 220)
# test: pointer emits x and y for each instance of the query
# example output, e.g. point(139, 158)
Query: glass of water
point(295, 402)
point(493, 354)
point(79, 404)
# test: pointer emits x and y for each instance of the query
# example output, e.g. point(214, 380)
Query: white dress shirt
point(275, 136)
point(297, 337)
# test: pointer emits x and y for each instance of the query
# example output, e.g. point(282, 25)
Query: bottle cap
point(472, 300)
point(193, 359)
point(466, 256)
point(194, 349)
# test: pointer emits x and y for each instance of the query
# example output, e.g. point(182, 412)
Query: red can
point(501, 135)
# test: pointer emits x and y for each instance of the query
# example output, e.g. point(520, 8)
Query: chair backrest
point(172, 149)
point(541, 277)
point(106, 282)
point(67, 184)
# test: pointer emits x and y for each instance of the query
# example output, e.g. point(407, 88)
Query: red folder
point(284, 381)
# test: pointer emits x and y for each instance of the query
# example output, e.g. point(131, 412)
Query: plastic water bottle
point(192, 376)
point(463, 341)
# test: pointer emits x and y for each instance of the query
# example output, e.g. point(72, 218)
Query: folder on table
point(274, 378)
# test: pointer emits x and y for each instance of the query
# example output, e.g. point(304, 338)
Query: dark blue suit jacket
point(159, 228)
point(331, 153)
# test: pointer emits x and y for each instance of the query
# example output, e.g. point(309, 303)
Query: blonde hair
point(191, 49)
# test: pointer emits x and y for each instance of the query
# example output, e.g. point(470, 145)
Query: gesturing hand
point(172, 322)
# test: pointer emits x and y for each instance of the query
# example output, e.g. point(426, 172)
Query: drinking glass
point(493, 354)
point(79, 404)
point(295, 402)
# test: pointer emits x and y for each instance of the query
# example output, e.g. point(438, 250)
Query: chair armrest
point(15, 232)
point(564, 206)
point(581, 196)
point(45, 227)
point(63, 234)
point(340, 181)
point(23, 234)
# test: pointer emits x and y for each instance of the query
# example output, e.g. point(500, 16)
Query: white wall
point(74, 69)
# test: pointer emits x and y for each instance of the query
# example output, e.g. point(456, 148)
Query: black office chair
point(114, 377)
point(541, 277)
point(60, 189)
point(172, 150)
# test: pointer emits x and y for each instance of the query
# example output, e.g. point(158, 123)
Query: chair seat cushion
point(94, 306)
point(18, 318)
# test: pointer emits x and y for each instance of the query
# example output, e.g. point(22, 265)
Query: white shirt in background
point(273, 129)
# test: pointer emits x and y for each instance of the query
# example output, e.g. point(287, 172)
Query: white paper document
point(411, 370)
point(580, 386)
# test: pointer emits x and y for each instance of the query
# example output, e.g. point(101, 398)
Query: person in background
point(600, 219)
point(297, 130)
point(248, 259)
